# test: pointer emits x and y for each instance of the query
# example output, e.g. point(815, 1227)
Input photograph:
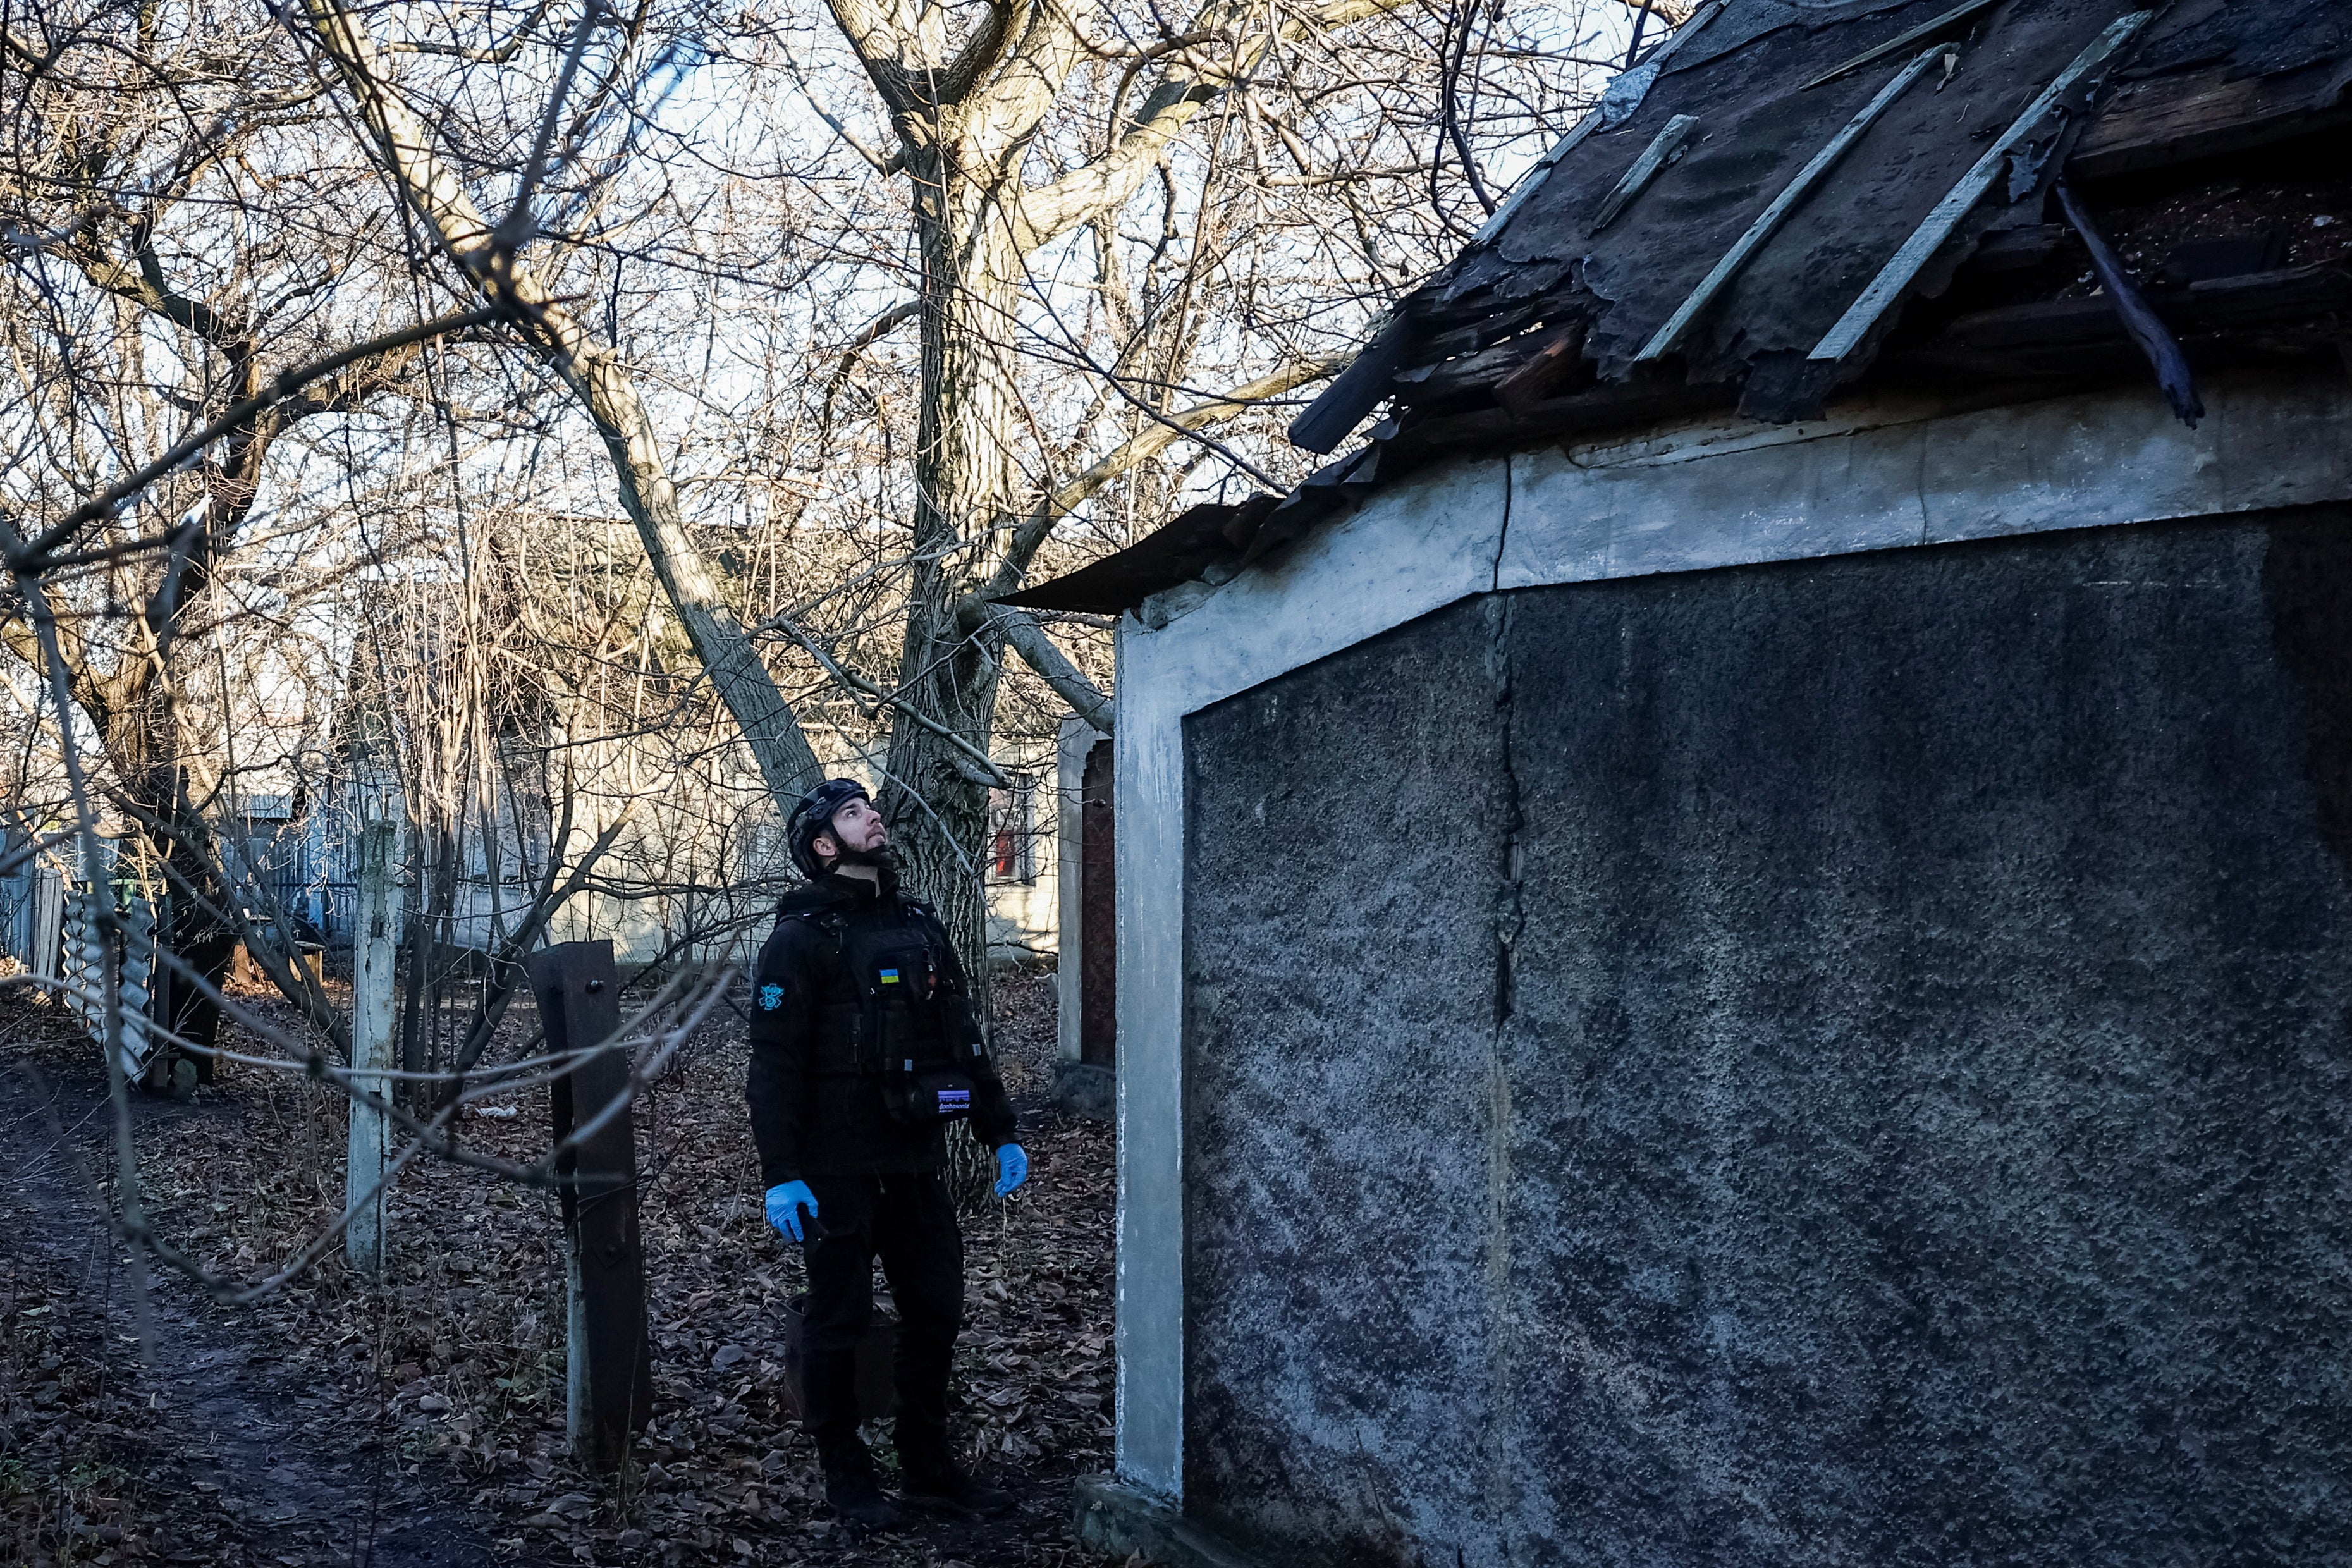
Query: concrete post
point(375, 948)
point(1083, 1082)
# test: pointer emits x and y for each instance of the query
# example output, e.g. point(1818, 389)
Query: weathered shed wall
point(1845, 1061)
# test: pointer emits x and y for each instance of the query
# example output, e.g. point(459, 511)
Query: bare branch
point(972, 754)
point(498, 54)
point(517, 226)
point(1166, 430)
point(1109, 181)
point(33, 556)
point(1025, 637)
point(606, 391)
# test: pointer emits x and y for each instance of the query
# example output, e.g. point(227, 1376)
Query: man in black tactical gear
point(863, 1047)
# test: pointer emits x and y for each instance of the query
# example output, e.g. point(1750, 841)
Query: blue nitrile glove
point(1012, 1168)
point(784, 1206)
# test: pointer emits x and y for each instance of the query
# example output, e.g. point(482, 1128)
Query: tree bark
point(965, 118)
point(130, 707)
point(935, 800)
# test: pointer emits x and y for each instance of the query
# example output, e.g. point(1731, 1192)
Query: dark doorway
point(1097, 906)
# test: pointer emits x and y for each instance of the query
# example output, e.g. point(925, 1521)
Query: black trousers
point(908, 1221)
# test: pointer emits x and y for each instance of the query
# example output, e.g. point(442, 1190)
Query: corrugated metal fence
point(51, 927)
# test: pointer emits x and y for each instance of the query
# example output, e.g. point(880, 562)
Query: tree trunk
point(936, 800)
point(132, 714)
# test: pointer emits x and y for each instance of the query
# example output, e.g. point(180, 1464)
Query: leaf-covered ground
point(420, 1418)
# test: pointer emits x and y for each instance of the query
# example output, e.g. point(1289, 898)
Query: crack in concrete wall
point(1510, 920)
point(1682, 499)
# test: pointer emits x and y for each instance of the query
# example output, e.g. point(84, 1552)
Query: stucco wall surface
point(1835, 1062)
point(1336, 1185)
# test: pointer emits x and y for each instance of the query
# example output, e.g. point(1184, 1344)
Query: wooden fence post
point(44, 953)
point(375, 950)
point(609, 1382)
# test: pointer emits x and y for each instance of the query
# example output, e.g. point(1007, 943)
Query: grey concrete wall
point(1839, 1062)
point(1337, 1115)
point(1686, 496)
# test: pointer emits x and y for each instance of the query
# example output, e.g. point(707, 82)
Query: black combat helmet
point(813, 816)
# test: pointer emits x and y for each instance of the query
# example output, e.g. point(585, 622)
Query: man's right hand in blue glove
point(784, 1206)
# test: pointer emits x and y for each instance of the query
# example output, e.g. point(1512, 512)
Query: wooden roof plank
point(1669, 337)
point(1355, 391)
point(1894, 280)
point(1646, 168)
point(1901, 41)
point(2171, 120)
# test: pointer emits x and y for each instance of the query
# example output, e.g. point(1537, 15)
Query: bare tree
point(160, 281)
point(1017, 135)
point(488, 257)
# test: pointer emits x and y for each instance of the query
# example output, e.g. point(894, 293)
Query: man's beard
point(879, 857)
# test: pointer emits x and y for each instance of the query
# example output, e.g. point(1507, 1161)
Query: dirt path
point(204, 1455)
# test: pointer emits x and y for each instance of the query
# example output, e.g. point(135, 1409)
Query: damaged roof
point(1789, 197)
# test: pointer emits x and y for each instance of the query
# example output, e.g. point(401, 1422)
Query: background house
point(693, 877)
point(1739, 953)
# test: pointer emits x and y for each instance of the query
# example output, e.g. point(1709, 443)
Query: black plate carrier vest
point(910, 1022)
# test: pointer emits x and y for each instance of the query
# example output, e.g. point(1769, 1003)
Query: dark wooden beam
point(1355, 391)
point(2161, 120)
point(609, 1386)
point(2296, 293)
point(1602, 408)
point(1560, 356)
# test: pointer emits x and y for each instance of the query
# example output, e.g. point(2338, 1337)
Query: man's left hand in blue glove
point(785, 1200)
point(1012, 1168)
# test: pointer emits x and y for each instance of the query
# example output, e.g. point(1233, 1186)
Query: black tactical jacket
point(851, 976)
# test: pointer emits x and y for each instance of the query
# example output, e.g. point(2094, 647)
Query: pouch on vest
point(901, 1009)
point(927, 1096)
point(921, 1085)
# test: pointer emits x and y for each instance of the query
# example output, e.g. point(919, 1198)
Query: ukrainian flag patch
point(889, 978)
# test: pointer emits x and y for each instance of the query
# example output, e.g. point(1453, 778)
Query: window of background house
point(1012, 831)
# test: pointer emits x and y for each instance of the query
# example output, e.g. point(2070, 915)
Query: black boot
point(937, 1483)
point(850, 1487)
point(858, 1499)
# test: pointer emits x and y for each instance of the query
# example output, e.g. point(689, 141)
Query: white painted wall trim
point(1685, 498)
